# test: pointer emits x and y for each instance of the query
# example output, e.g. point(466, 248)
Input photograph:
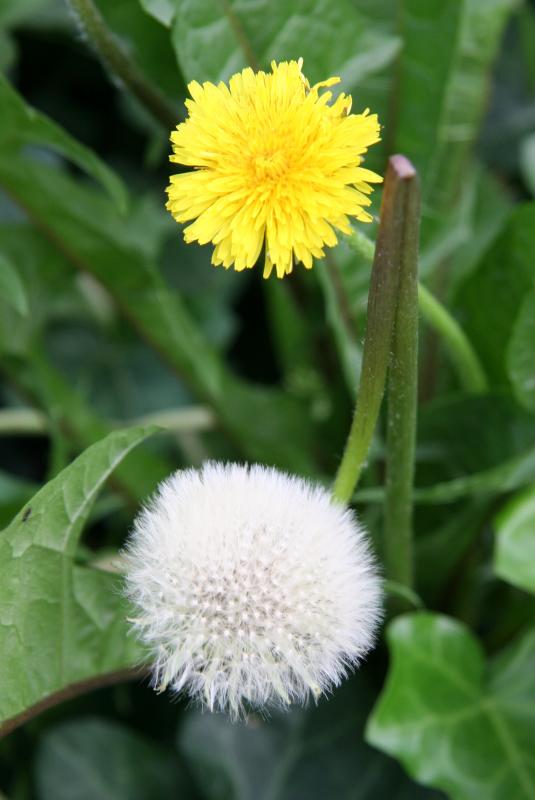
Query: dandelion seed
point(324, 592)
point(276, 164)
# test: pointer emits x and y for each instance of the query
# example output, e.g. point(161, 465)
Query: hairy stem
point(114, 57)
point(402, 391)
point(382, 302)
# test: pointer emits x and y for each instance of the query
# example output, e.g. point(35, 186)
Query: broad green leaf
point(444, 68)
point(521, 353)
point(12, 290)
point(71, 413)
point(8, 51)
point(14, 493)
point(97, 759)
point(527, 162)
point(513, 474)
point(344, 281)
point(490, 207)
point(162, 10)
point(268, 425)
point(60, 623)
point(294, 334)
point(299, 755)
point(453, 722)
point(14, 12)
point(213, 39)
point(498, 287)
point(440, 550)
point(514, 554)
point(147, 44)
point(23, 125)
point(470, 446)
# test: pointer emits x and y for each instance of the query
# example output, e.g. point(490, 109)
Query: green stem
point(382, 301)
point(114, 57)
point(459, 348)
point(463, 356)
point(402, 393)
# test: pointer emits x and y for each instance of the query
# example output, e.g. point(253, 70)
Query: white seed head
point(250, 586)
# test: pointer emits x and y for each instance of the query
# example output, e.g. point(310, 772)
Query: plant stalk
point(382, 302)
point(112, 54)
point(402, 389)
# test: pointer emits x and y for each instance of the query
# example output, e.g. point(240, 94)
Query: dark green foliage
point(108, 321)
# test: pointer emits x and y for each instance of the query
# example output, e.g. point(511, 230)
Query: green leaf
point(60, 624)
point(23, 125)
point(520, 354)
point(514, 555)
point(70, 411)
point(317, 753)
point(213, 39)
point(12, 289)
point(499, 286)
point(444, 68)
point(344, 280)
point(268, 425)
point(527, 161)
point(453, 723)
point(162, 10)
point(513, 474)
point(147, 44)
point(470, 446)
point(439, 551)
point(96, 759)
point(15, 12)
point(72, 415)
point(14, 493)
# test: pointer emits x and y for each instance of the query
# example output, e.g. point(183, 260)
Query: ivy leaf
point(298, 755)
point(60, 623)
point(96, 759)
point(454, 723)
point(514, 556)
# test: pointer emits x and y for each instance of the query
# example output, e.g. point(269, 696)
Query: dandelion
point(251, 587)
point(276, 165)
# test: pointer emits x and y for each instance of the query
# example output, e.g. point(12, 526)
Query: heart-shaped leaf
point(514, 556)
point(454, 723)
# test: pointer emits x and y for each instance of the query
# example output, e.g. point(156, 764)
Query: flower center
point(269, 166)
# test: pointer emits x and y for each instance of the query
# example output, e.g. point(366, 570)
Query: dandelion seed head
point(251, 587)
point(276, 165)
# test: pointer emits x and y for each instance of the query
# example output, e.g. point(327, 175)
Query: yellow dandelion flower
point(275, 164)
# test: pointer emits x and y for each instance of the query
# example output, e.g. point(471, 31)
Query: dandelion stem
point(115, 58)
point(382, 301)
point(463, 357)
point(402, 388)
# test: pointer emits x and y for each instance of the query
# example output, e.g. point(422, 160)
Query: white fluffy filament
point(251, 587)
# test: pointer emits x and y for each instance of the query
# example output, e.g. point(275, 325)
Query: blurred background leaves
point(108, 320)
